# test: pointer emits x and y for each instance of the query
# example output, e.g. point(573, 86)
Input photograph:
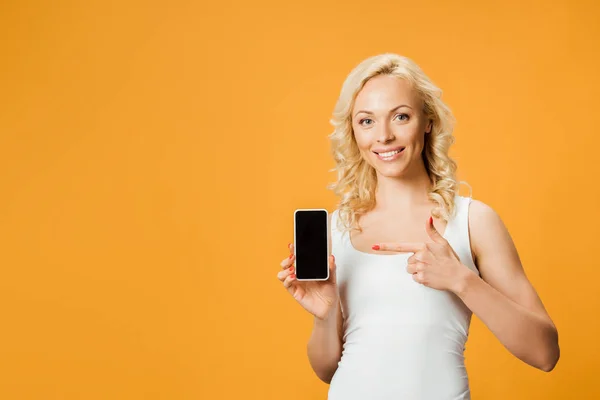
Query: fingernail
point(375, 247)
point(293, 276)
point(291, 255)
point(431, 220)
point(291, 268)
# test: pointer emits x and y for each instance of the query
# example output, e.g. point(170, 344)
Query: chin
point(388, 175)
point(390, 172)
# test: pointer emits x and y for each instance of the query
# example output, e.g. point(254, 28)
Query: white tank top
point(402, 340)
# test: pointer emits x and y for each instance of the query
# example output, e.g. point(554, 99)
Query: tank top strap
point(335, 233)
point(460, 239)
point(333, 222)
point(337, 244)
point(461, 216)
point(339, 240)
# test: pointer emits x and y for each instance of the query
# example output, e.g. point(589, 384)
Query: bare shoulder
point(485, 227)
point(479, 210)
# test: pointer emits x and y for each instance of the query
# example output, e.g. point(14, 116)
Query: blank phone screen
point(311, 244)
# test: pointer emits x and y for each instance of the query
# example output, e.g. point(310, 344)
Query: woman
point(411, 259)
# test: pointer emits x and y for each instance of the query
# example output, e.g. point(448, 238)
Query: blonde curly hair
point(357, 180)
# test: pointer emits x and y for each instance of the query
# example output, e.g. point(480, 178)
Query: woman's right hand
point(317, 297)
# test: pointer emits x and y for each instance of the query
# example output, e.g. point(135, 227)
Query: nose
point(385, 134)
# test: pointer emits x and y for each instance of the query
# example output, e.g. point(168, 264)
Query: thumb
point(432, 232)
point(332, 269)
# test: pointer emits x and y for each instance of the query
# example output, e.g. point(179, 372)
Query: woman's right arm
point(321, 299)
point(325, 344)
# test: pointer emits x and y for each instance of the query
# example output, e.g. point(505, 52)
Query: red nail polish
point(291, 255)
point(375, 247)
point(293, 276)
point(291, 268)
point(431, 220)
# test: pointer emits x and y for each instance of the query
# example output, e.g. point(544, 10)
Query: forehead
point(384, 92)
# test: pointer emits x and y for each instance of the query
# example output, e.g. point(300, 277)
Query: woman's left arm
point(503, 298)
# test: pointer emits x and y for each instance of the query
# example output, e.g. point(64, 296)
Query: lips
point(391, 156)
point(388, 150)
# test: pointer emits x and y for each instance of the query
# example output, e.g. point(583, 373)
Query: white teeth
point(389, 154)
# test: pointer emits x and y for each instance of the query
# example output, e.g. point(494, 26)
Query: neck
point(403, 193)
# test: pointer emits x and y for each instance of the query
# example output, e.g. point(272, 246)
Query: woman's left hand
point(435, 264)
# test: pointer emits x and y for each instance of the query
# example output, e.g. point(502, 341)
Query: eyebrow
point(391, 111)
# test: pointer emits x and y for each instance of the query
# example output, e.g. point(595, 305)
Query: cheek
point(361, 140)
point(416, 137)
point(364, 147)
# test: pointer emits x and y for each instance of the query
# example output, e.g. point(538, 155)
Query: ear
point(429, 127)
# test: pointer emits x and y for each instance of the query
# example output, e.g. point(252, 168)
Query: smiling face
point(389, 125)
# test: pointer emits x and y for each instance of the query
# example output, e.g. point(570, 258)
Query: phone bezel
point(327, 223)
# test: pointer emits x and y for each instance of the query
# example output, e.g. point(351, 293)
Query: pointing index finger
point(405, 247)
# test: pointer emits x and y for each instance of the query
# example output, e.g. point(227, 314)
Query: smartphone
point(311, 244)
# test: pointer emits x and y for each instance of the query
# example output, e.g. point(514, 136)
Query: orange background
point(152, 155)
